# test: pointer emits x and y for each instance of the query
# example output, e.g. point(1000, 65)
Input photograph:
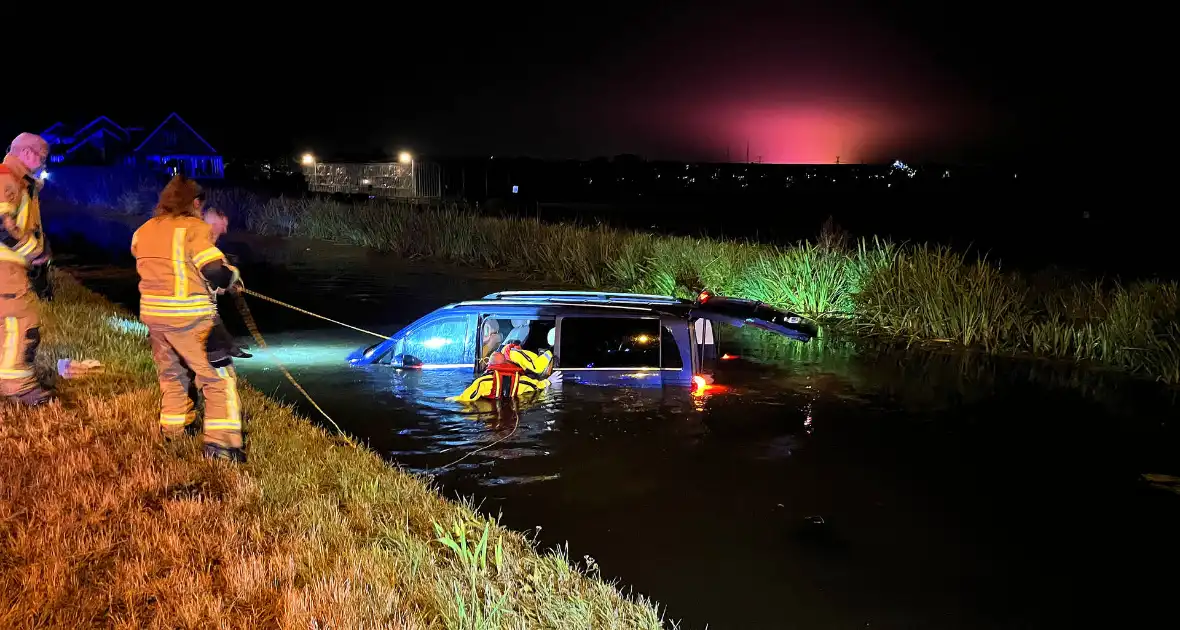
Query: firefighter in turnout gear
point(502, 380)
point(178, 263)
point(222, 346)
point(536, 365)
point(514, 372)
point(24, 261)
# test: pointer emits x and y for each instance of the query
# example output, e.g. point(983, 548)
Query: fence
point(378, 179)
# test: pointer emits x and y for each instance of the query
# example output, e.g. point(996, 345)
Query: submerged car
point(596, 338)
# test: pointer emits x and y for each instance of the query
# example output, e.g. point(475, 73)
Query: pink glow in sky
point(809, 134)
point(779, 131)
point(796, 92)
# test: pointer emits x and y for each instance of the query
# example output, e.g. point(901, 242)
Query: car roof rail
point(493, 304)
point(583, 296)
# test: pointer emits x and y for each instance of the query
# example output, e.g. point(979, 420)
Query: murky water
point(832, 488)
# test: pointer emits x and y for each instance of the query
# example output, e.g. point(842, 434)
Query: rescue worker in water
point(175, 256)
point(502, 380)
point(24, 262)
point(513, 372)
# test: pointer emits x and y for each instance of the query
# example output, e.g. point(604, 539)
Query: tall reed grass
point(910, 293)
point(913, 293)
point(810, 279)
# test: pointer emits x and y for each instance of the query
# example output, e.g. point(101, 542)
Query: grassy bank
point(907, 293)
point(103, 524)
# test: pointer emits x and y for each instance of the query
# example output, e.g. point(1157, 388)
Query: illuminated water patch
point(127, 326)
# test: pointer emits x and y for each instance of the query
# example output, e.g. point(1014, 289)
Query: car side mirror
point(411, 361)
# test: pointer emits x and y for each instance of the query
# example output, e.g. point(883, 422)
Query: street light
point(308, 161)
point(405, 157)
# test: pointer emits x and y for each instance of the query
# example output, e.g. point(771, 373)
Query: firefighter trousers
point(181, 360)
point(21, 338)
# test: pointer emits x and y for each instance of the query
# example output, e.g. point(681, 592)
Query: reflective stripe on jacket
point(499, 382)
point(20, 201)
point(170, 252)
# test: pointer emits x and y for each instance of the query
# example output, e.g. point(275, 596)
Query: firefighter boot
point(33, 398)
point(224, 453)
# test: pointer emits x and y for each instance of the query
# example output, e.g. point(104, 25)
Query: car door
point(737, 312)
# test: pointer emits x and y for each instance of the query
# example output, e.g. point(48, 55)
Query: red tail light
point(699, 384)
point(704, 297)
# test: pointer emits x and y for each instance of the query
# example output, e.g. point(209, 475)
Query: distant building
point(408, 178)
point(173, 146)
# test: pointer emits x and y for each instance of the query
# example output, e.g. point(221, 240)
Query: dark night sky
point(865, 81)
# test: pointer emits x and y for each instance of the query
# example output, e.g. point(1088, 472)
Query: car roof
point(587, 297)
point(506, 306)
point(577, 301)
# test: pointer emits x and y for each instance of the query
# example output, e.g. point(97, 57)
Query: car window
point(532, 333)
point(444, 341)
point(609, 342)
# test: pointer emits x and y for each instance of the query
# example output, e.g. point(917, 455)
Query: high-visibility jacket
point(502, 381)
point(511, 373)
point(177, 261)
point(20, 202)
point(535, 364)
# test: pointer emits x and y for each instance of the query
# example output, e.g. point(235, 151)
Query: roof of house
point(172, 136)
point(186, 139)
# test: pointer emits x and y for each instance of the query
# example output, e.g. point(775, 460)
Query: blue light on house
point(173, 146)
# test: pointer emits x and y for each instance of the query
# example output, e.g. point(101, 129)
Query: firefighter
point(178, 264)
point(514, 372)
point(24, 261)
point(536, 365)
point(502, 380)
point(221, 347)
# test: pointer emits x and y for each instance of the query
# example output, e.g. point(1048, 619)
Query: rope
point(516, 415)
point(254, 332)
point(306, 312)
point(250, 323)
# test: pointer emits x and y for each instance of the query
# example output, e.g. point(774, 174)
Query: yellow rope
point(250, 323)
point(305, 312)
point(515, 426)
point(249, 319)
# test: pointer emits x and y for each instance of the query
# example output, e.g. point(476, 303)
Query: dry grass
point(104, 525)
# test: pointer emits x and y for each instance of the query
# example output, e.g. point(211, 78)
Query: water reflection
point(818, 465)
